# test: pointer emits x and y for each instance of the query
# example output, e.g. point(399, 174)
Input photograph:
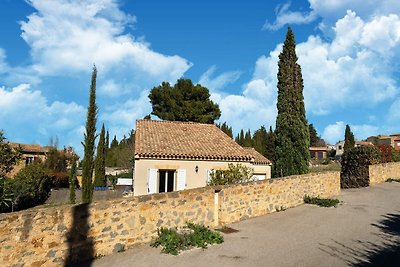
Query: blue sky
point(348, 51)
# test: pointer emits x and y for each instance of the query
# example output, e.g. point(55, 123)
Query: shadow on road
point(367, 254)
point(80, 246)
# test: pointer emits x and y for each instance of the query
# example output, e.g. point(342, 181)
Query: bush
point(386, 153)
point(233, 175)
point(60, 180)
point(355, 166)
point(195, 236)
point(322, 202)
point(30, 187)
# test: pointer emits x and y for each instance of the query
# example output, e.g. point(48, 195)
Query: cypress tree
point(349, 141)
point(270, 145)
point(88, 144)
point(100, 162)
point(292, 136)
point(247, 139)
point(259, 140)
point(107, 145)
point(72, 177)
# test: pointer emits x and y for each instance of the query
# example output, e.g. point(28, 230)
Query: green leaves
point(233, 175)
point(183, 102)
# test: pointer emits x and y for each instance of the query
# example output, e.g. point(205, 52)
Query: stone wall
point(243, 201)
point(53, 236)
point(50, 235)
point(379, 173)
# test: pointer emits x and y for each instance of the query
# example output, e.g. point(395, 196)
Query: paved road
point(363, 231)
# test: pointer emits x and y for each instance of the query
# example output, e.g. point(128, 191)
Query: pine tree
point(72, 185)
point(100, 162)
point(349, 141)
point(315, 140)
point(88, 145)
point(292, 136)
point(259, 140)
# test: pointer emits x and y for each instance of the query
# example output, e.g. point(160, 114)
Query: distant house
point(171, 156)
point(339, 148)
point(30, 153)
point(318, 153)
point(392, 140)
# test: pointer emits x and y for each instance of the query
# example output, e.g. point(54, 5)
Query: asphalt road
point(363, 231)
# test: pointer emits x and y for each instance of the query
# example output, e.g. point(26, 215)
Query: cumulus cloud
point(220, 81)
point(26, 115)
point(284, 16)
point(70, 35)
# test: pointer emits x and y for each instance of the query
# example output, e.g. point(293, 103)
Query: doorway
point(166, 181)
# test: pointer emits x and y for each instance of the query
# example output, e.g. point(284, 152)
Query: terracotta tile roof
point(258, 158)
point(185, 140)
point(32, 148)
point(364, 143)
point(316, 148)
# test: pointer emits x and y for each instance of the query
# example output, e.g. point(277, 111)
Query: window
point(340, 147)
point(312, 154)
point(166, 181)
point(320, 155)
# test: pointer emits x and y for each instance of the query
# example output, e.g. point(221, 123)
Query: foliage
point(5, 195)
point(56, 160)
point(386, 152)
point(349, 141)
point(183, 102)
point(196, 236)
point(121, 154)
point(88, 145)
point(322, 202)
point(270, 145)
point(390, 180)
point(240, 138)
point(355, 162)
point(233, 175)
point(59, 179)
point(315, 140)
point(31, 186)
point(8, 156)
point(72, 183)
point(292, 135)
point(100, 162)
point(259, 140)
point(225, 128)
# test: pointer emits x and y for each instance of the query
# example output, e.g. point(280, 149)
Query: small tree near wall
point(233, 175)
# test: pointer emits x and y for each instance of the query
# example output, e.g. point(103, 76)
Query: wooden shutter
point(181, 179)
point(209, 175)
point(152, 181)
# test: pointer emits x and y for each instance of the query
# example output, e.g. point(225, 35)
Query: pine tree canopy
point(183, 102)
point(292, 134)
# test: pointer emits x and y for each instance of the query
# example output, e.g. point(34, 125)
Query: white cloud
point(335, 132)
point(71, 35)
point(26, 114)
point(220, 81)
point(284, 16)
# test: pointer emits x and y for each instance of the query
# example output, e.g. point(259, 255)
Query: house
point(392, 140)
point(171, 156)
point(30, 153)
point(318, 153)
point(339, 148)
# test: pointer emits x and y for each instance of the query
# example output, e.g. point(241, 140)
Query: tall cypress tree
point(72, 185)
point(247, 139)
point(88, 144)
point(349, 141)
point(100, 162)
point(292, 136)
point(270, 145)
point(107, 142)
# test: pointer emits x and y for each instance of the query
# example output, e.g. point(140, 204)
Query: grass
point(333, 166)
point(194, 235)
point(322, 202)
point(390, 180)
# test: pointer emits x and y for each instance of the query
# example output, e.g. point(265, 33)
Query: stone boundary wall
point(379, 173)
point(243, 201)
point(49, 236)
point(53, 236)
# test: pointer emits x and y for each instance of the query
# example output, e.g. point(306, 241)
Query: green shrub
point(390, 180)
point(233, 175)
point(322, 202)
point(355, 166)
point(30, 187)
point(195, 235)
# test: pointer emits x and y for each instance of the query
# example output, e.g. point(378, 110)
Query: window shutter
point(152, 181)
point(181, 184)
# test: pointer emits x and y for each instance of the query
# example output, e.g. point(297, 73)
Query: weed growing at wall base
point(390, 180)
point(195, 235)
point(322, 202)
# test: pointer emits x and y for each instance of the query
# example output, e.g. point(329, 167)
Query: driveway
point(363, 231)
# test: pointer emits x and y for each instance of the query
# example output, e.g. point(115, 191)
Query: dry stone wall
point(243, 201)
point(379, 173)
point(57, 236)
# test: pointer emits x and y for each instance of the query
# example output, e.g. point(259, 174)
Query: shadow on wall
point(367, 254)
point(80, 246)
